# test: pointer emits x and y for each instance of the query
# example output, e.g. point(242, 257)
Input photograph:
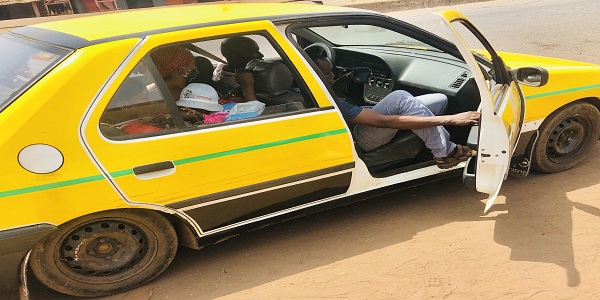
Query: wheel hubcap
point(567, 138)
point(103, 248)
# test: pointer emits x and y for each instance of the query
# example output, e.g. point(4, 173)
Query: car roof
point(79, 32)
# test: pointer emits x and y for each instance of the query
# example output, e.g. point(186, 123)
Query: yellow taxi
point(103, 176)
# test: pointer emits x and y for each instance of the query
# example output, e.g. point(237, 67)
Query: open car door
point(502, 108)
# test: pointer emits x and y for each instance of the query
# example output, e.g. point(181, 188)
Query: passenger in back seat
point(177, 67)
point(238, 51)
point(401, 111)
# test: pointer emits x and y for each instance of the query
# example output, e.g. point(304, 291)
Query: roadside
point(376, 5)
point(395, 5)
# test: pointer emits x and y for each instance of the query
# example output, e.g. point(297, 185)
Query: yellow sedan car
point(105, 171)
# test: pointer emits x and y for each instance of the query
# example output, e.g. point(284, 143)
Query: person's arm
point(373, 118)
point(246, 80)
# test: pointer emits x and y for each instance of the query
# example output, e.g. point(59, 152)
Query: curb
point(382, 6)
point(395, 5)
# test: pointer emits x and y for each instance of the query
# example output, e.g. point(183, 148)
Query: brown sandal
point(461, 153)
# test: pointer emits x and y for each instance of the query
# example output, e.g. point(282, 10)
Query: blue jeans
point(402, 103)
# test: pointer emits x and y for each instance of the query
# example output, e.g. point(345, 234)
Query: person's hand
point(464, 118)
point(191, 115)
point(244, 77)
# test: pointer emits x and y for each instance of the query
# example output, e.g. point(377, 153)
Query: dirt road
point(541, 242)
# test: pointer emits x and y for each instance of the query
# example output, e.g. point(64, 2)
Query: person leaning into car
point(399, 110)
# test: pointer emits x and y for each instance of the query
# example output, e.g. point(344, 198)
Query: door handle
point(154, 170)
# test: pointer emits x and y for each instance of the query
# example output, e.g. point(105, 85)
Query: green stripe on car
point(577, 89)
point(127, 172)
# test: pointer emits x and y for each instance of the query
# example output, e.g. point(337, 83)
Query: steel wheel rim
point(103, 251)
point(567, 139)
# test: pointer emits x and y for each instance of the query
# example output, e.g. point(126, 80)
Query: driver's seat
point(401, 151)
point(404, 149)
point(273, 81)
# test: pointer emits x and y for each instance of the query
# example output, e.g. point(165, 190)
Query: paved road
point(540, 242)
point(541, 27)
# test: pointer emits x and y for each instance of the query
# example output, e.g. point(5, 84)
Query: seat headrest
point(272, 78)
point(205, 70)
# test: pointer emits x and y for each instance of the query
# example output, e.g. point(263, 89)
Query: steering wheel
point(323, 49)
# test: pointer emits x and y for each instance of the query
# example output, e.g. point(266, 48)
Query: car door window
point(275, 78)
point(137, 108)
point(493, 75)
point(210, 97)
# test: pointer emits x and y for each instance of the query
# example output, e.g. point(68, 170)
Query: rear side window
point(138, 107)
point(161, 96)
point(22, 63)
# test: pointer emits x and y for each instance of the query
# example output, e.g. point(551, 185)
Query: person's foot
point(459, 154)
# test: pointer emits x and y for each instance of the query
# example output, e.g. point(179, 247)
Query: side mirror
point(531, 76)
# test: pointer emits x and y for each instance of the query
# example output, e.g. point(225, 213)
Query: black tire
point(566, 137)
point(105, 253)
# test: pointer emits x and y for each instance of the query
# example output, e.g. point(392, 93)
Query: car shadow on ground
point(317, 240)
point(539, 228)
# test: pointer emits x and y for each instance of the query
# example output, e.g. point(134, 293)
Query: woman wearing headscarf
point(176, 66)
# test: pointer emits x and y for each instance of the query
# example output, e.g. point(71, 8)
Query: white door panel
point(501, 110)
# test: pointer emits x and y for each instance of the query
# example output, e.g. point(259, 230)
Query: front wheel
point(105, 253)
point(566, 137)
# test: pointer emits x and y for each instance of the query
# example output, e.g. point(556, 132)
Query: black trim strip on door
point(260, 186)
point(220, 214)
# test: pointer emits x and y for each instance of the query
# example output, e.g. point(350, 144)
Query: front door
point(502, 107)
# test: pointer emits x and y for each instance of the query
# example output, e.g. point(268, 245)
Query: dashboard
point(412, 69)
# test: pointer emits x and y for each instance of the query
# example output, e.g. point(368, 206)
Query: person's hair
point(168, 60)
point(317, 55)
point(205, 70)
point(237, 50)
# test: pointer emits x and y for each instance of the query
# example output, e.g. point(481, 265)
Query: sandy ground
point(540, 242)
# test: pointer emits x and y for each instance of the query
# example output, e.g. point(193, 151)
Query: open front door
point(502, 108)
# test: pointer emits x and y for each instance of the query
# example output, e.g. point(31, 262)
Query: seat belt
point(205, 53)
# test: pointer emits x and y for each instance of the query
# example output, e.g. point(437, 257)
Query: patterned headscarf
point(169, 60)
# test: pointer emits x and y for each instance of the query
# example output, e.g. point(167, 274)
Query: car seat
point(401, 151)
point(273, 81)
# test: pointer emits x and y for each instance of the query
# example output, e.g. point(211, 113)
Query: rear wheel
point(105, 253)
point(566, 137)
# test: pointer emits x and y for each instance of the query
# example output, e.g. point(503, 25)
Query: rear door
point(502, 107)
point(221, 174)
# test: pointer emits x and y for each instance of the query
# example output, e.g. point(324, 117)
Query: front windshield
point(368, 35)
point(22, 62)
